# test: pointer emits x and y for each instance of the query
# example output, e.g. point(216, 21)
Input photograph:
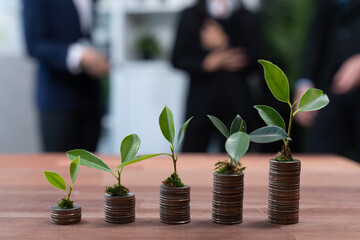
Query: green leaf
point(138, 159)
point(182, 131)
point(313, 99)
point(88, 159)
point(268, 134)
point(74, 168)
point(237, 145)
point(129, 147)
point(166, 122)
point(276, 81)
point(55, 179)
point(243, 126)
point(237, 124)
point(219, 125)
point(270, 116)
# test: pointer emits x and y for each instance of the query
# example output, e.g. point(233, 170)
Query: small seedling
point(166, 122)
point(129, 147)
point(58, 181)
point(238, 142)
point(312, 100)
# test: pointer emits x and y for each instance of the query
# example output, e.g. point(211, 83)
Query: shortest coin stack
point(120, 209)
point(65, 216)
point(284, 192)
point(228, 193)
point(174, 204)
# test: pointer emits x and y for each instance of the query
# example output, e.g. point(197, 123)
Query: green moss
point(65, 204)
point(284, 155)
point(228, 168)
point(117, 190)
point(173, 181)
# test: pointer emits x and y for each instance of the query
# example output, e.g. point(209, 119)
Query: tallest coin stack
point(284, 191)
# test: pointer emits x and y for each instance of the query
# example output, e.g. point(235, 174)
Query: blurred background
point(138, 37)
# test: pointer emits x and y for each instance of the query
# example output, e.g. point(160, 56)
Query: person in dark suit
point(332, 63)
point(217, 44)
point(57, 35)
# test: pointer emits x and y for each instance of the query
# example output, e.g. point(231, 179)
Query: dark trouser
point(65, 131)
point(337, 127)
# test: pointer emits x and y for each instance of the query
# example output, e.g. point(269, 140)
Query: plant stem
point(174, 158)
point(114, 175)
point(119, 174)
point(290, 124)
point(68, 198)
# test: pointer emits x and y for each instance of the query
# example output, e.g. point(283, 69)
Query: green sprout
point(238, 142)
point(129, 147)
point(57, 181)
point(166, 122)
point(312, 100)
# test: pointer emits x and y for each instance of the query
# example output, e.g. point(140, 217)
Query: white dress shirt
point(222, 8)
point(77, 50)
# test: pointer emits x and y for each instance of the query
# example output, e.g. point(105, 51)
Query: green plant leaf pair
point(57, 181)
point(262, 135)
point(238, 142)
point(167, 126)
point(129, 147)
point(237, 125)
point(313, 99)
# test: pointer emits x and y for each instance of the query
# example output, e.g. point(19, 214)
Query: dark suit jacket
point(223, 94)
point(334, 37)
point(50, 27)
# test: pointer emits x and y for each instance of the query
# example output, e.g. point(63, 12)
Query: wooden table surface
point(329, 205)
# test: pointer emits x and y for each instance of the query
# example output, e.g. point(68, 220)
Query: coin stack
point(284, 191)
point(174, 204)
point(62, 216)
point(120, 209)
point(228, 194)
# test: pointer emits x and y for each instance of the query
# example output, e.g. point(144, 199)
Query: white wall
point(18, 126)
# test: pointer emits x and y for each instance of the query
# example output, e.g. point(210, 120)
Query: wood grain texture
point(329, 204)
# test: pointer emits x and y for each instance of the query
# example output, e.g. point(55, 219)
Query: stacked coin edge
point(174, 204)
point(61, 216)
point(284, 191)
point(228, 194)
point(120, 209)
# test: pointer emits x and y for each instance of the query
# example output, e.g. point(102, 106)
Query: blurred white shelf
point(165, 10)
point(155, 6)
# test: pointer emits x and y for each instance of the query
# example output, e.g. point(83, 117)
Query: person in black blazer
point(57, 34)
point(332, 63)
point(217, 44)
